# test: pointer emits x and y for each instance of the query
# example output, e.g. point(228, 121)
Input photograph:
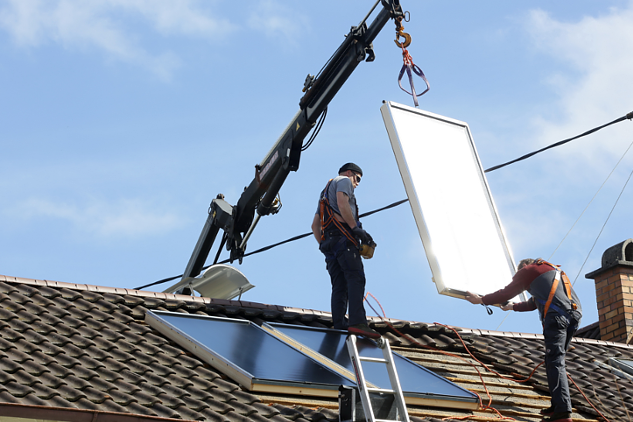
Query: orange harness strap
point(327, 217)
point(566, 285)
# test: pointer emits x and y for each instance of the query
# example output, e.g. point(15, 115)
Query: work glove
point(361, 234)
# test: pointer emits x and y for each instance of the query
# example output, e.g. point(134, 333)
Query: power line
point(629, 116)
point(603, 226)
point(526, 156)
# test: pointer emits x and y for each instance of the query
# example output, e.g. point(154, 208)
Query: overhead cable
point(603, 226)
point(591, 201)
point(629, 116)
point(526, 156)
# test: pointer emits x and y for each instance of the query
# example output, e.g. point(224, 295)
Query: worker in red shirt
point(560, 313)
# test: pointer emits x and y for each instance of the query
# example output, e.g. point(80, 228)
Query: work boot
point(558, 417)
point(363, 330)
point(547, 412)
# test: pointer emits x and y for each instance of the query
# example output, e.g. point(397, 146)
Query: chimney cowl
point(620, 254)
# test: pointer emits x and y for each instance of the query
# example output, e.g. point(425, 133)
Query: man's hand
point(364, 237)
point(508, 306)
point(473, 298)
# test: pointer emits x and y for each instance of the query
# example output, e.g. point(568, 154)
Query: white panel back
point(450, 199)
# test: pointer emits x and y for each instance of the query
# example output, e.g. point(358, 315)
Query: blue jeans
point(347, 274)
point(558, 331)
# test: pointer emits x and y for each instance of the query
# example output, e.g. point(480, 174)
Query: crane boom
point(258, 198)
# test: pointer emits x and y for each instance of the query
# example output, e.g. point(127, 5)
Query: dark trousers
point(347, 274)
point(558, 331)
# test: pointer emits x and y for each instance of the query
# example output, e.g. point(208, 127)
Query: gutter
point(47, 413)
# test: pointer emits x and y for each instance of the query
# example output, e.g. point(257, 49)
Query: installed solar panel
point(249, 354)
point(415, 380)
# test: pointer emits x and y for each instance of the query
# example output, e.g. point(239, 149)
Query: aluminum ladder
point(364, 390)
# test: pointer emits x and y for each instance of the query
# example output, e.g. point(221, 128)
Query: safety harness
point(560, 274)
point(328, 218)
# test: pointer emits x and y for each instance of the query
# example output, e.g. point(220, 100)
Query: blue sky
point(122, 120)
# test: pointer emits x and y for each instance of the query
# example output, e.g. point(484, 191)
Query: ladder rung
point(380, 390)
point(366, 359)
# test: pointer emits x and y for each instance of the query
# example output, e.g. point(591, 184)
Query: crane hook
point(400, 33)
point(407, 38)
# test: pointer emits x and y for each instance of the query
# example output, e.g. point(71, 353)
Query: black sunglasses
point(357, 178)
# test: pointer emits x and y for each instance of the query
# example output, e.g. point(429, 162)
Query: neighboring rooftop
point(70, 351)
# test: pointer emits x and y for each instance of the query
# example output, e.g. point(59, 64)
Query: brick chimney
point(614, 293)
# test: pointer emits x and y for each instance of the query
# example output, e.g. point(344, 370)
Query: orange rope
point(482, 407)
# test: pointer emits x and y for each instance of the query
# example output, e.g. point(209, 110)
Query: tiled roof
point(590, 331)
point(84, 349)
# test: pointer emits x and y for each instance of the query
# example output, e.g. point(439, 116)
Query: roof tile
point(32, 337)
point(70, 295)
point(155, 340)
point(169, 400)
point(83, 305)
point(8, 365)
point(45, 392)
point(203, 384)
point(95, 395)
point(62, 303)
point(107, 374)
point(110, 335)
point(18, 390)
point(211, 415)
point(7, 288)
point(140, 368)
point(34, 368)
point(110, 405)
point(57, 311)
point(225, 385)
point(155, 379)
point(156, 410)
point(49, 380)
point(190, 414)
point(124, 399)
point(6, 397)
point(127, 300)
point(58, 370)
point(96, 353)
point(67, 361)
point(90, 363)
point(39, 300)
point(17, 356)
point(4, 343)
point(6, 314)
point(25, 378)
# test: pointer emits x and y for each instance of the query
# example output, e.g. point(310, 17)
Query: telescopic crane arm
point(258, 199)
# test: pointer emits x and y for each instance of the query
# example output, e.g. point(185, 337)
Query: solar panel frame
point(457, 219)
point(412, 376)
point(283, 367)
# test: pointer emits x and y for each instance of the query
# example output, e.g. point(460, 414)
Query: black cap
point(350, 166)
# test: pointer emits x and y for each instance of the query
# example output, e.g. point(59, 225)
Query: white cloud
point(274, 19)
point(99, 24)
point(594, 86)
point(125, 218)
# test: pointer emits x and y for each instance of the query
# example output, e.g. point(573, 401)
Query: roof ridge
point(158, 295)
point(249, 304)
